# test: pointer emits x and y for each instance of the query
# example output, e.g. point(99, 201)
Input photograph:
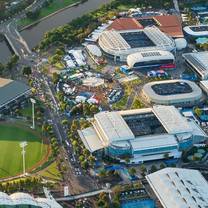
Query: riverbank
point(55, 7)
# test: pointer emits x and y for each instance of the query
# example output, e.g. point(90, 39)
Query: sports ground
point(10, 152)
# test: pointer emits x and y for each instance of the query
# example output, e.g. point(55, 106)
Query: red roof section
point(125, 24)
point(170, 24)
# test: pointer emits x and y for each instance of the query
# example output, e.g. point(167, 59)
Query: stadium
point(26, 201)
point(141, 134)
point(11, 93)
point(119, 44)
point(196, 31)
point(172, 92)
point(198, 63)
point(150, 59)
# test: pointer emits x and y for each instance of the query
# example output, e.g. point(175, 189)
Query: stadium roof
point(170, 24)
point(171, 119)
point(21, 199)
point(149, 56)
point(91, 140)
point(179, 188)
point(11, 90)
point(113, 126)
point(171, 93)
point(115, 42)
point(197, 30)
point(154, 141)
point(199, 62)
point(125, 24)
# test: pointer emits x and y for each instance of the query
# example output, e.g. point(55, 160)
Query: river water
point(34, 34)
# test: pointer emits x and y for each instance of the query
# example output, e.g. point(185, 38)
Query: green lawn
point(10, 151)
point(53, 7)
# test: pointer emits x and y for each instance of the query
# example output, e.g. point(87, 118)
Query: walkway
point(84, 195)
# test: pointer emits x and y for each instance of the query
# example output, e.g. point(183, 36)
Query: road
point(9, 30)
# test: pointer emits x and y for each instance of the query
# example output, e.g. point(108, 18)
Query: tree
point(162, 166)
point(27, 71)
point(55, 78)
point(153, 168)
point(132, 171)
point(166, 156)
point(143, 168)
point(2, 68)
point(94, 109)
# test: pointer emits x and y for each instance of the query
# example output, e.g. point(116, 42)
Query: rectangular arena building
point(143, 134)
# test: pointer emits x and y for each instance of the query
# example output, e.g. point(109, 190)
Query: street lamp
point(23, 145)
point(33, 112)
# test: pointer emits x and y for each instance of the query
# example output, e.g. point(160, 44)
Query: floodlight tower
point(23, 145)
point(33, 112)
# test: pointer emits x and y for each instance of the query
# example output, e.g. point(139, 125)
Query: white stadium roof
point(172, 99)
point(113, 126)
point(171, 119)
point(154, 141)
point(199, 62)
point(179, 188)
point(146, 56)
point(26, 199)
point(200, 30)
point(113, 43)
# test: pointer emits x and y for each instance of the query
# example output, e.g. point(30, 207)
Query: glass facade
point(117, 152)
point(155, 150)
point(185, 144)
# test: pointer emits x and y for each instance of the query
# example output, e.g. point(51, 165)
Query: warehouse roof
point(11, 90)
point(179, 188)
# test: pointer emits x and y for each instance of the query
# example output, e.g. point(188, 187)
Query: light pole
point(23, 145)
point(33, 112)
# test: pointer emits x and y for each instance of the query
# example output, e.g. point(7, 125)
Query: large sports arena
point(119, 44)
point(172, 92)
point(141, 134)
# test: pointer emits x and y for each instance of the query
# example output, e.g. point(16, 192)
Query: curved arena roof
point(113, 42)
point(196, 30)
point(172, 99)
point(26, 199)
point(148, 56)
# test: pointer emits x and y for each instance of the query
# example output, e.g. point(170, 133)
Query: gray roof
point(12, 91)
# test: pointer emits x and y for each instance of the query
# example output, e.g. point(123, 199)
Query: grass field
point(53, 7)
point(10, 152)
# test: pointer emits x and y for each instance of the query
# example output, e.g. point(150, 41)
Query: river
point(35, 33)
